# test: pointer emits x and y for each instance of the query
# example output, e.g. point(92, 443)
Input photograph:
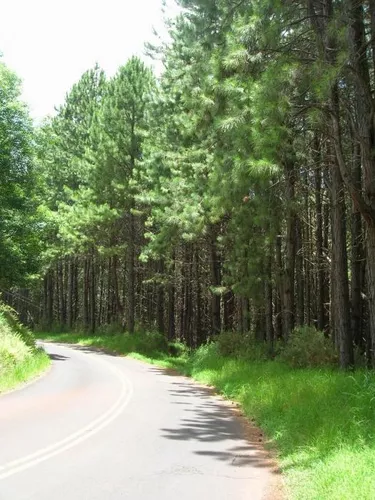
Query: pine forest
point(231, 193)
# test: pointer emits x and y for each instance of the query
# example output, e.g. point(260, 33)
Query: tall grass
point(320, 421)
point(20, 359)
point(22, 372)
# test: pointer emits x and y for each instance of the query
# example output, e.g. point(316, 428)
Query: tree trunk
point(228, 305)
point(198, 307)
point(269, 303)
point(70, 298)
point(160, 299)
point(357, 260)
point(49, 302)
point(300, 276)
point(279, 290)
point(171, 302)
point(320, 300)
point(215, 282)
point(86, 287)
point(245, 314)
point(92, 296)
point(340, 299)
point(131, 276)
point(290, 253)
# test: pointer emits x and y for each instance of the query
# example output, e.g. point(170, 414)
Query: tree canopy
point(235, 192)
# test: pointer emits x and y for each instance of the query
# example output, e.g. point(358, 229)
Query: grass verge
point(20, 359)
point(320, 421)
point(24, 371)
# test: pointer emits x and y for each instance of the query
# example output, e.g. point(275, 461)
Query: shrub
point(147, 343)
point(230, 344)
point(308, 347)
point(113, 328)
point(241, 346)
point(13, 349)
point(10, 316)
point(177, 349)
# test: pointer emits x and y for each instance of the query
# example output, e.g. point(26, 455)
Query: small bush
point(308, 347)
point(177, 349)
point(148, 343)
point(7, 359)
point(108, 329)
point(13, 349)
point(230, 344)
point(241, 346)
point(10, 316)
point(207, 356)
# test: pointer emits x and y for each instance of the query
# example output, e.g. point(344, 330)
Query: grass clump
point(20, 359)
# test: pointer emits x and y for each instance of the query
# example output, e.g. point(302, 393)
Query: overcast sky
point(50, 43)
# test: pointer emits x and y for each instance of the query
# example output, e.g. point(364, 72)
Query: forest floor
point(319, 422)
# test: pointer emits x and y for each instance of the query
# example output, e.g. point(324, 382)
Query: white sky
point(50, 43)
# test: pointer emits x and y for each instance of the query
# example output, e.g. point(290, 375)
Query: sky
point(50, 43)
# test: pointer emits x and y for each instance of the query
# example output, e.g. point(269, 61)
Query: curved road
point(105, 427)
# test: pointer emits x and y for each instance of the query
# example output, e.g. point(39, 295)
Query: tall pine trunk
point(216, 282)
point(340, 299)
point(290, 253)
point(130, 255)
point(357, 259)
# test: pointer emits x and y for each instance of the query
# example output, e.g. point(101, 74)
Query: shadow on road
point(208, 420)
point(88, 349)
point(57, 357)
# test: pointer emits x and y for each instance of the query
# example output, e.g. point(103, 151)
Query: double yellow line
point(77, 437)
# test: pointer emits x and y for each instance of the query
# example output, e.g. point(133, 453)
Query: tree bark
point(320, 301)
point(131, 276)
point(357, 261)
point(160, 299)
point(279, 290)
point(290, 253)
point(216, 282)
point(340, 271)
point(269, 303)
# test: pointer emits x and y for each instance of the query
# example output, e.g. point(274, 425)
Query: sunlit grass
point(22, 372)
point(320, 421)
point(20, 359)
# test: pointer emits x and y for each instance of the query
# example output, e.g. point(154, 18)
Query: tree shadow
point(206, 420)
point(57, 357)
point(90, 349)
point(209, 421)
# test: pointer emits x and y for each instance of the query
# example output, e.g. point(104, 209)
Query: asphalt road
point(105, 427)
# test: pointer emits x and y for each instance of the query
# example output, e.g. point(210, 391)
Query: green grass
point(20, 359)
point(22, 372)
point(320, 421)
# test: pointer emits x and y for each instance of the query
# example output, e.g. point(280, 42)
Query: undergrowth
point(20, 359)
point(321, 421)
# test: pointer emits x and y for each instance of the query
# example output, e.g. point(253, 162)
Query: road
point(104, 427)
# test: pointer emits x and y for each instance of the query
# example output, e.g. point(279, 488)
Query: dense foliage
point(234, 193)
point(19, 228)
